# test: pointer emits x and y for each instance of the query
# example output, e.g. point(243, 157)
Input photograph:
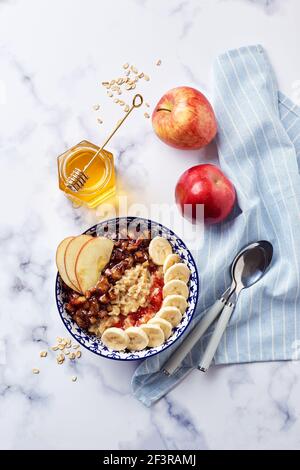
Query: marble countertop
point(53, 56)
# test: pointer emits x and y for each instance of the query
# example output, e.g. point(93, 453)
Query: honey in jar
point(101, 183)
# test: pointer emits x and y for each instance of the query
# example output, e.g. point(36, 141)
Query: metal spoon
point(248, 267)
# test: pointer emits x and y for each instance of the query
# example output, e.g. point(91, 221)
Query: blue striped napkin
point(259, 149)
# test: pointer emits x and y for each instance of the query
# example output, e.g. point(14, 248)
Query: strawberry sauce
point(144, 314)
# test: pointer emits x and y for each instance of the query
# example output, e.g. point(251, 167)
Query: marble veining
point(54, 55)
point(270, 6)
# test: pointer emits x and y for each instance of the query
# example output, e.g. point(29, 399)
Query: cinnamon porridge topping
point(104, 323)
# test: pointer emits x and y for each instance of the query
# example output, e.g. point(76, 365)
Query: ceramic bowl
point(93, 343)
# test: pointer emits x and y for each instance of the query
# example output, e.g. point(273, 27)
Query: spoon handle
point(216, 337)
point(189, 342)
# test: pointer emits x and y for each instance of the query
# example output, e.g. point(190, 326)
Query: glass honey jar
point(86, 172)
point(101, 183)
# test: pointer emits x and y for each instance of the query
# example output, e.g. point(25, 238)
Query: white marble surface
point(53, 54)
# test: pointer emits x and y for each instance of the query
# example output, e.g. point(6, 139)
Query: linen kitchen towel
point(259, 150)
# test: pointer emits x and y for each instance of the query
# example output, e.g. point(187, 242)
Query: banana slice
point(155, 334)
point(115, 338)
point(175, 300)
point(138, 339)
point(170, 260)
point(171, 314)
point(159, 249)
point(163, 324)
point(176, 287)
point(177, 271)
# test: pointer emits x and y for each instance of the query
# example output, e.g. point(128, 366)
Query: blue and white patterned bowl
point(93, 343)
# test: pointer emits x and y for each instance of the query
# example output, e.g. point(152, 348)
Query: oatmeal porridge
point(132, 290)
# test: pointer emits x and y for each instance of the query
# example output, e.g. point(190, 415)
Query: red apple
point(207, 185)
point(184, 119)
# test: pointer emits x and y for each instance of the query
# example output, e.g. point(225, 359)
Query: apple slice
point(60, 262)
point(70, 257)
point(91, 259)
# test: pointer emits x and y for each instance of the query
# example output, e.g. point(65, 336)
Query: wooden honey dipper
point(78, 177)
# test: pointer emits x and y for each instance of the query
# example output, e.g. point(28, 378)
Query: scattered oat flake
point(147, 78)
point(125, 66)
point(60, 359)
point(96, 107)
point(105, 84)
point(72, 356)
point(76, 346)
point(35, 371)
point(116, 100)
point(59, 339)
point(126, 108)
point(54, 348)
point(110, 94)
point(99, 121)
point(158, 62)
point(78, 354)
point(74, 378)
point(127, 73)
point(67, 352)
point(61, 346)
point(120, 81)
point(133, 69)
point(43, 354)
point(146, 115)
point(140, 75)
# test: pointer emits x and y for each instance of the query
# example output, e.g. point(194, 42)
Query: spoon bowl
point(251, 264)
